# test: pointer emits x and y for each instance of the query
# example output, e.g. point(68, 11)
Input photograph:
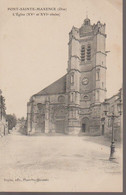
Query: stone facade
point(72, 104)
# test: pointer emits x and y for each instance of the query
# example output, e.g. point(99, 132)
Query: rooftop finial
point(86, 12)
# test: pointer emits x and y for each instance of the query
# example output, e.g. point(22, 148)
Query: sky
point(34, 49)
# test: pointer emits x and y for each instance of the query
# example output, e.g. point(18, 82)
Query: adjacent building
point(106, 121)
point(3, 120)
point(73, 104)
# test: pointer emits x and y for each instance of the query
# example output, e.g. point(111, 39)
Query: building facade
point(106, 121)
point(3, 119)
point(73, 104)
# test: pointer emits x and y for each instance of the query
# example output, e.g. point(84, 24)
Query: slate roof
point(57, 87)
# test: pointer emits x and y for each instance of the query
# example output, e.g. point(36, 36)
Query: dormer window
point(82, 53)
point(86, 97)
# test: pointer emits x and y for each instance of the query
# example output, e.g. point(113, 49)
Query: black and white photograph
point(61, 96)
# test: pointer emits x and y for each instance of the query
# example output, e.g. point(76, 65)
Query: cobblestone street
point(57, 163)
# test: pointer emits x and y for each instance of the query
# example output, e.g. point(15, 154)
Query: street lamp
point(112, 116)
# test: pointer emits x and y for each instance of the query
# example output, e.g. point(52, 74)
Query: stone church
point(72, 104)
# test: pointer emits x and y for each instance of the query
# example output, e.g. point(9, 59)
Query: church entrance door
point(60, 126)
point(43, 127)
point(40, 123)
point(40, 127)
point(85, 125)
point(102, 129)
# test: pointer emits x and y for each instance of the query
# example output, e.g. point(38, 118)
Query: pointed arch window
point(112, 108)
point(76, 95)
point(72, 113)
point(97, 95)
point(72, 79)
point(82, 53)
point(98, 74)
point(88, 52)
point(109, 123)
point(71, 97)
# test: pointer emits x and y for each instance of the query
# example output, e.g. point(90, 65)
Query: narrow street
point(57, 163)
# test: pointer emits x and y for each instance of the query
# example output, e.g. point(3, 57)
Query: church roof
point(57, 87)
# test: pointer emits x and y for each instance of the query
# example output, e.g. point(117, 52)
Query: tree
point(22, 125)
point(12, 121)
point(2, 106)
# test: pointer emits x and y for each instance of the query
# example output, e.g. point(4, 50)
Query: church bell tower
point(86, 77)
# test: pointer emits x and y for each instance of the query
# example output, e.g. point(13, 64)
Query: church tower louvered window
point(88, 52)
point(83, 53)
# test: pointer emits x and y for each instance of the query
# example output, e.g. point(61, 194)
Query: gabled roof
point(57, 87)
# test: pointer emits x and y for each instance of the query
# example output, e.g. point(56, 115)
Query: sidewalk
point(102, 140)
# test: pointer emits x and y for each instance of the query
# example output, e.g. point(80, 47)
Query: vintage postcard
point(61, 96)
